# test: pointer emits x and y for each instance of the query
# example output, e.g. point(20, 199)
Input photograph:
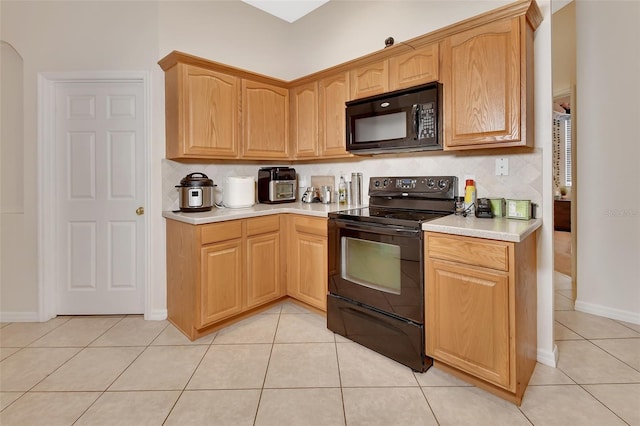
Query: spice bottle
point(342, 191)
point(469, 196)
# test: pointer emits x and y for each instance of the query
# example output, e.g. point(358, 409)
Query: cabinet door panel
point(265, 119)
point(304, 120)
point(312, 272)
point(416, 67)
point(263, 269)
point(368, 80)
point(221, 287)
point(334, 92)
point(468, 320)
point(482, 85)
point(307, 260)
point(210, 113)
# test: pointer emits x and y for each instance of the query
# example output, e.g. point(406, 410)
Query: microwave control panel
point(427, 120)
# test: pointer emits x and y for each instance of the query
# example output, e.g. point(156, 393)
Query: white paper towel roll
point(239, 192)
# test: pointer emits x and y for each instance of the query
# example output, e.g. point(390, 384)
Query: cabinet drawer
point(470, 251)
point(311, 225)
point(223, 231)
point(262, 225)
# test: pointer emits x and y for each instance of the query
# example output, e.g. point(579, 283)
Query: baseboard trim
point(156, 315)
point(607, 312)
point(19, 317)
point(549, 358)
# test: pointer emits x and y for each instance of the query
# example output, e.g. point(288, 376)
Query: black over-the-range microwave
point(399, 121)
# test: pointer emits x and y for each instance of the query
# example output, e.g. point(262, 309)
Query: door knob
point(140, 211)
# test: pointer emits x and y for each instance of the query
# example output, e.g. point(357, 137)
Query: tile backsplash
point(523, 182)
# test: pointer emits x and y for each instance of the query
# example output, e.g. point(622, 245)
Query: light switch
point(502, 166)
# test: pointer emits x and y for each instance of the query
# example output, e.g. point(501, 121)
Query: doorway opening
point(563, 36)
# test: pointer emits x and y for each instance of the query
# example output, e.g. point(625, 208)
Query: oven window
point(381, 127)
point(371, 264)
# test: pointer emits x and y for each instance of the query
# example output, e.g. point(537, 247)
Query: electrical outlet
point(502, 166)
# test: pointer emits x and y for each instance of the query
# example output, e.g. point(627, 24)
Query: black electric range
point(376, 265)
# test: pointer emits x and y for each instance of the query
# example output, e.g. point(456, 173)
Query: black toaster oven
point(276, 185)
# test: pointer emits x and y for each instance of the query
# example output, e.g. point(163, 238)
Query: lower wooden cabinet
point(221, 285)
point(264, 280)
point(481, 310)
point(307, 260)
point(220, 270)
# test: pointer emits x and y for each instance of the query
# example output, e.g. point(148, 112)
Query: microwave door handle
point(415, 113)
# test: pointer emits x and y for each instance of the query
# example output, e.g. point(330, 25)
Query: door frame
point(47, 259)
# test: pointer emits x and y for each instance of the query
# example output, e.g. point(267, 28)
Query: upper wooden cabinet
point(411, 68)
point(486, 74)
point(265, 121)
point(334, 92)
point(318, 118)
point(485, 65)
point(201, 113)
point(369, 79)
point(304, 120)
point(415, 67)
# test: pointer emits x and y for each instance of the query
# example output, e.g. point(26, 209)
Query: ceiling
point(288, 10)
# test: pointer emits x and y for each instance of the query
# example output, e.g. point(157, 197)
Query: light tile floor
point(283, 367)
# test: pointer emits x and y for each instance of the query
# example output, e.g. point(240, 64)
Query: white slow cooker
point(239, 192)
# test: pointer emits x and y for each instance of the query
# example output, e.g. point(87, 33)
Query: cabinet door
point(265, 121)
point(480, 73)
point(307, 280)
point(221, 285)
point(334, 92)
point(468, 320)
point(207, 125)
point(263, 269)
point(304, 120)
point(368, 80)
point(416, 67)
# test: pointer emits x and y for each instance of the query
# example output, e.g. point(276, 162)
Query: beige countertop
point(503, 229)
point(496, 229)
point(220, 214)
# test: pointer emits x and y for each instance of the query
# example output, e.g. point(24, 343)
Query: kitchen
point(153, 44)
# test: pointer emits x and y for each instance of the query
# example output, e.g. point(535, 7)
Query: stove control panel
point(405, 183)
point(417, 186)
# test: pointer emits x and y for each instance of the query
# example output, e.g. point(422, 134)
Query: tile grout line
point(266, 371)
point(344, 409)
point(173, 406)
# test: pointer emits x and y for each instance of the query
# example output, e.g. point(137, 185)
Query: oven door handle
point(377, 228)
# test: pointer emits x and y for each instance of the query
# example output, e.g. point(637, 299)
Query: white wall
point(77, 36)
point(564, 49)
point(13, 246)
point(608, 153)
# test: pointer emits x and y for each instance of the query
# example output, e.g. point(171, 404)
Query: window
point(562, 150)
point(567, 152)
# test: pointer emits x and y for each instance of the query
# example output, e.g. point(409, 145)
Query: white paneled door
point(100, 197)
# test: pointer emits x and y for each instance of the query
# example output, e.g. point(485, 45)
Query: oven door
point(378, 266)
